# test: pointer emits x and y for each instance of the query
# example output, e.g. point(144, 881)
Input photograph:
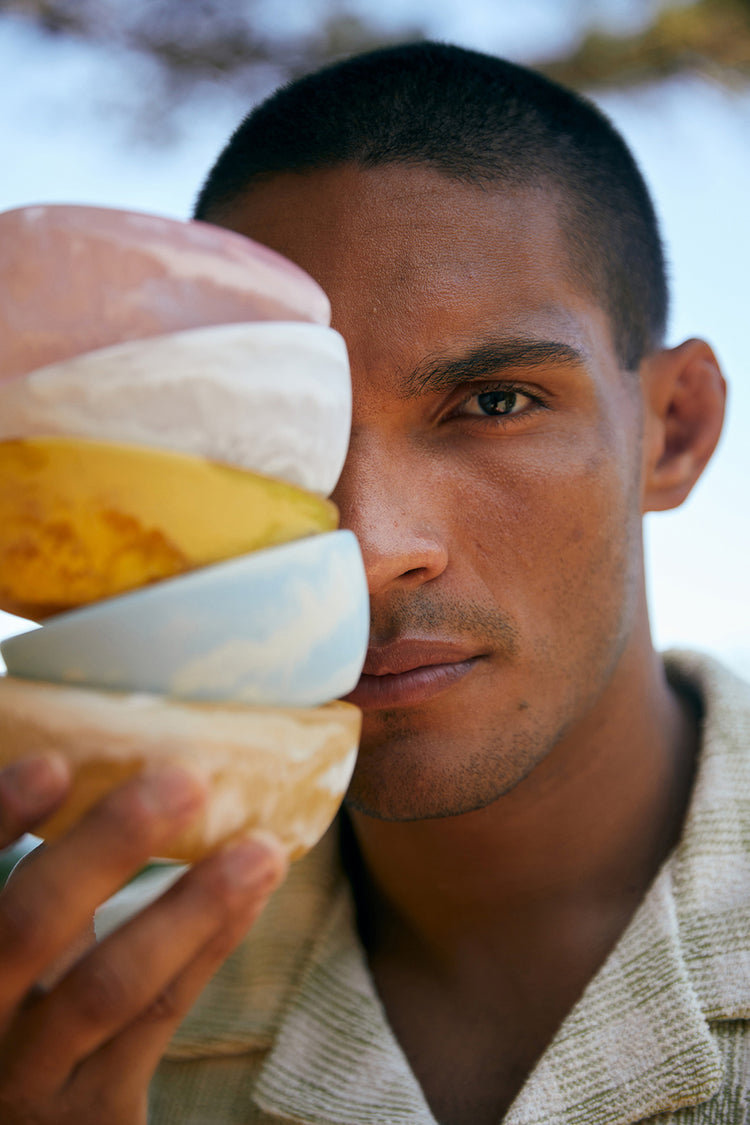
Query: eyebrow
point(440, 373)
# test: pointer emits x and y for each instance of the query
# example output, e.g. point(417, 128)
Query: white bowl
point(273, 397)
point(286, 627)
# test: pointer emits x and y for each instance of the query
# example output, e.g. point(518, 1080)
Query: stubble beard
point(402, 787)
point(447, 761)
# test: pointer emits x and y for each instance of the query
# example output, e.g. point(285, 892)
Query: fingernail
point(37, 780)
point(256, 863)
point(172, 791)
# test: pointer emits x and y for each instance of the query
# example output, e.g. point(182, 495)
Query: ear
point(684, 395)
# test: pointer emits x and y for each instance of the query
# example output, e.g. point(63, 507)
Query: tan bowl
point(265, 769)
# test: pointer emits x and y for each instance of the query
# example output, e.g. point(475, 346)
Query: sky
point(68, 135)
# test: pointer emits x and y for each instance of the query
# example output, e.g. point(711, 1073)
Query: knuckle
point(101, 993)
point(218, 892)
point(165, 1008)
point(127, 814)
point(221, 900)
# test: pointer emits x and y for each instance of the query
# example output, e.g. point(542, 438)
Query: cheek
point(553, 525)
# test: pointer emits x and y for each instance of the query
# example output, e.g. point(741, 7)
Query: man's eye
point(494, 404)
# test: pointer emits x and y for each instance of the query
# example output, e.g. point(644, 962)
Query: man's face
point(493, 476)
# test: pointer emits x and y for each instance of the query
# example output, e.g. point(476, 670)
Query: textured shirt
point(292, 1028)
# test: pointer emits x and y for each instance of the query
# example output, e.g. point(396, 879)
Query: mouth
point(409, 672)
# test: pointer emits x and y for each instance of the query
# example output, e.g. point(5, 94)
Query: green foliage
point(710, 36)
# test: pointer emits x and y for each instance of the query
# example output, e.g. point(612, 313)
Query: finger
point(124, 976)
point(139, 1048)
point(30, 790)
point(68, 957)
point(78, 946)
point(51, 900)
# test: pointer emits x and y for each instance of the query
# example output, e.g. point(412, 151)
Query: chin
point(416, 778)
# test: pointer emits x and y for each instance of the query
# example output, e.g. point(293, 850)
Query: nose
point(391, 504)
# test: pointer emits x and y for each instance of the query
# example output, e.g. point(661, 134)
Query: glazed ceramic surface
point(76, 278)
point(81, 519)
point(287, 627)
point(274, 398)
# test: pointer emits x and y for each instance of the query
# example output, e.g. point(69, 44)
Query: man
point(535, 904)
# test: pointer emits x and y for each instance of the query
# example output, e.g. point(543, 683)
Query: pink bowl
point(76, 278)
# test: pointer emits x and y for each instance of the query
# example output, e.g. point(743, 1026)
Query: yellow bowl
point(82, 520)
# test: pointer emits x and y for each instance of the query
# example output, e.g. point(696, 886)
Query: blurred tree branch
point(708, 36)
point(207, 40)
point(237, 46)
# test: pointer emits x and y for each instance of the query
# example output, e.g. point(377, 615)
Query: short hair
point(483, 121)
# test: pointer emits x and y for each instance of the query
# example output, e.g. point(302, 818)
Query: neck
point(581, 837)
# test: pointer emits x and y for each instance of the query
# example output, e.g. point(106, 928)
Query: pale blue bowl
point(285, 627)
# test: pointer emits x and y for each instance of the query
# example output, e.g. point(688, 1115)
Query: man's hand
point(84, 1049)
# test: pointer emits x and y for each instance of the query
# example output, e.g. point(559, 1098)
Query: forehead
point(413, 260)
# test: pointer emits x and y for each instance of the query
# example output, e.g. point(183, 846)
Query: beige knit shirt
point(292, 1028)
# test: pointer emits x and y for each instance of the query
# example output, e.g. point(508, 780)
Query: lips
point(408, 672)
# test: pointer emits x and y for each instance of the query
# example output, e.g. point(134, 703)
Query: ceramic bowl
point(286, 626)
point(74, 278)
point(274, 398)
point(82, 520)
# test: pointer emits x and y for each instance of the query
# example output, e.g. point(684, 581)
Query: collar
point(637, 1043)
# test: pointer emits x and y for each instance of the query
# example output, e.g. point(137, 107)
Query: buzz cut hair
point(478, 120)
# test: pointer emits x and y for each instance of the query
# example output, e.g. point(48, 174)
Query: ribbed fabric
point(291, 1028)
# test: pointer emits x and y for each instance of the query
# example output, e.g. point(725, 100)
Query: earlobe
point(684, 397)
